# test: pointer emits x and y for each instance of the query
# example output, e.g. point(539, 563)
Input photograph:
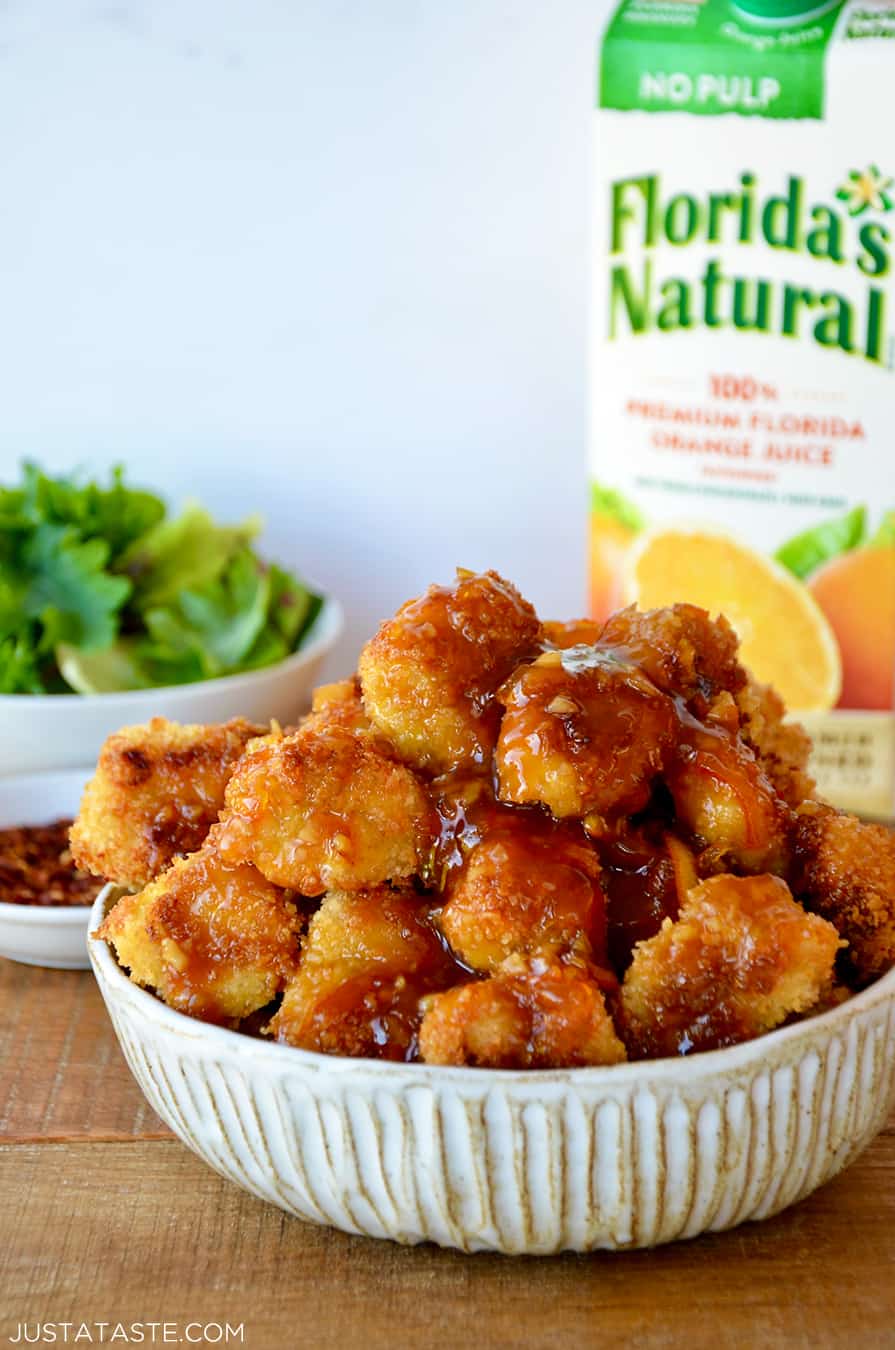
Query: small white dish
point(518, 1162)
point(39, 935)
point(60, 731)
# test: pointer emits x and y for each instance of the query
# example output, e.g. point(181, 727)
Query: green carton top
point(762, 58)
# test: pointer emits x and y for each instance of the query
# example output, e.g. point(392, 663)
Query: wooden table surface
point(106, 1217)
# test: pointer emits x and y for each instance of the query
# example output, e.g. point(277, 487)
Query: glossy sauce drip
point(533, 874)
point(468, 810)
point(641, 891)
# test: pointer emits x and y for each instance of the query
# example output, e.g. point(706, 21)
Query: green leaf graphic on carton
point(605, 501)
point(804, 553)
point(885, 534)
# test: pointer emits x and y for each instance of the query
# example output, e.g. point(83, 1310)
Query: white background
point(322, 258)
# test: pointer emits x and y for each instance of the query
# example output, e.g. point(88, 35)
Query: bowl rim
point(40, 916)
point(225, 1041)
point(323, 633)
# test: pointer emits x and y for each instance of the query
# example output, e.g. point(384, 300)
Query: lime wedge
point(110, 671)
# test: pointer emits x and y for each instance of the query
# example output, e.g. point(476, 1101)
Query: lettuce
point(100, 590)
point(182, 554)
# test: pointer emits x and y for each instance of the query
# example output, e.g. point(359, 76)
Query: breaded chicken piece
point(844, 869)
point(541, 1017)
point(585, 732)
point(682, 649)
point(562, 634)
point(726, 802)
point(324, 808)
point(367, 958)
point(213, 941)
point(156, 793)
point(339, 704)
point(529, 887)
point(429, 674)
point(783, 748)
point(741, 958)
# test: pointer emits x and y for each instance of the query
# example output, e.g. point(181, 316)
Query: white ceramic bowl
point(36, 934)
point(575, 1159)
point(42, 731)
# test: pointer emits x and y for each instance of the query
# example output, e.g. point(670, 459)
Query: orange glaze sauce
point(526, 842)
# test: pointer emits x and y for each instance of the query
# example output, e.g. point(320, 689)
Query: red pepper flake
point(36, 868)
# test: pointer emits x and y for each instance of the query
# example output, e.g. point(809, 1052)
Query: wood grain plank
point(145, 1231)
point(62, 1073)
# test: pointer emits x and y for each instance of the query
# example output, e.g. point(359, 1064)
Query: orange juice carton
point(743, 352)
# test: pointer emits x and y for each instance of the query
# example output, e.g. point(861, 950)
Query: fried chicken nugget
point(156, 792)
point(544, 1017)
point(741, 957)
point(783, 748)
point(844, 869)
point(324, 808)
point(683, 650)
point(367, 958)
point(214, 941)
point(529, 887)
point(585, 732)
point(723, 797)
point(429, 673)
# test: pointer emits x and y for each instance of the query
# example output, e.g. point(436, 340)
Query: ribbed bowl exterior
point(630, 1156)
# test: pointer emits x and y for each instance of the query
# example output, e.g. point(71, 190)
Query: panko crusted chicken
point(368, 958)
point(585, 733)
point(541, 1017)
point(844, 869)
point(156, 792)
point(325, 808)
point(428, 676)
point(214, 941)
point(502, 843)
point(740, 958)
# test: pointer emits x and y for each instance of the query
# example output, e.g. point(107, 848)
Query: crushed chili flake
point(36, 868)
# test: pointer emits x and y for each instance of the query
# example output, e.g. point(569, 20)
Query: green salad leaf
point(212, 629)
point(19, 668)
point(101, 591)
point(69, 591)
point(117, 515)
point(182, 554)
point(805, 552)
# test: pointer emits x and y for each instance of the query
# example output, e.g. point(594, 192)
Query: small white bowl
point(569, 1159)
point(56, 731)
point(43, 935)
